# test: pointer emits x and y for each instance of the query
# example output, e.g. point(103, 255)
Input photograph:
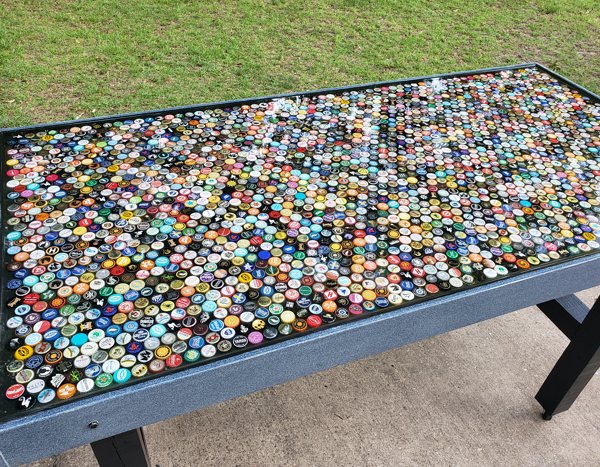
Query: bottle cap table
point(194, 254)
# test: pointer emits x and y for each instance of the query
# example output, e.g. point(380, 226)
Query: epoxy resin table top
point(138, 246)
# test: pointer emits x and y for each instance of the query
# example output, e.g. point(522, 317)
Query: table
point(195, 254)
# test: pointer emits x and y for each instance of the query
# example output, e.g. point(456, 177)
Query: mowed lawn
point(65, 59)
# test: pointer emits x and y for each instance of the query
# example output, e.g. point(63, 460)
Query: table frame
point(111, 421)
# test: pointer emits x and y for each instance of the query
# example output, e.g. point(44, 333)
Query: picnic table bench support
point(581, 358)
point(124, 450)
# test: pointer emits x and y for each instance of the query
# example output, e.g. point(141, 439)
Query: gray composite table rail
point(115, 412)
point(111, 420)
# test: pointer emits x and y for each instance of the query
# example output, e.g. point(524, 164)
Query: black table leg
point(125, 450)
point(575, 368)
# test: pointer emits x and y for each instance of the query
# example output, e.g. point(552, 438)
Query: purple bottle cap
point(255, 337)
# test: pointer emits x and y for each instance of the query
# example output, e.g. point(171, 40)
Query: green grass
point(63, 59)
